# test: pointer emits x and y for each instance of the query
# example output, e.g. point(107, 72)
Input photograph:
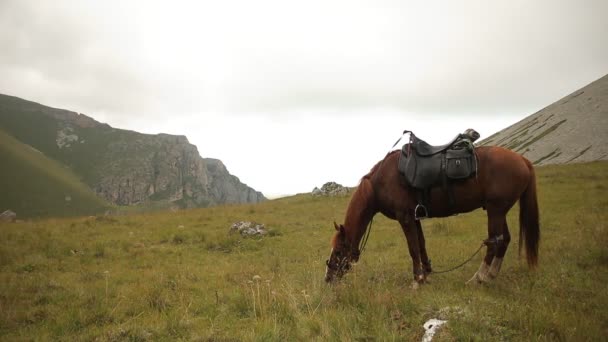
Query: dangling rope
point(464, 263)
point(494, 241)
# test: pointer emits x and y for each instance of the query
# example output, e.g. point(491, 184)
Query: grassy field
point(172, 276)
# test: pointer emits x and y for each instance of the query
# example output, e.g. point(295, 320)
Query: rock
point(8, 216)
point(431, 326)
point(247, 228)
point(330, 189)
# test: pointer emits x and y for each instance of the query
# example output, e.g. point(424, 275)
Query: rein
point(363, 241)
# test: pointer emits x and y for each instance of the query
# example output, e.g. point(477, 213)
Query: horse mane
point(375, 168)
point(360, 197)
point(364, 190)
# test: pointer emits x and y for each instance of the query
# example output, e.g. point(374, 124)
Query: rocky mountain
point(571, 130)
point(124, 167)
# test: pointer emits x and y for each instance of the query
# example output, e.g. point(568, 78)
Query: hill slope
point(571, 130)
point(124, 167)
point(34, 185)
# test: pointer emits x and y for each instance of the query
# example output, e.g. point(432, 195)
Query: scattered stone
point(431, 326)
point(247, 228)
point(330, 189)
point(8, 216)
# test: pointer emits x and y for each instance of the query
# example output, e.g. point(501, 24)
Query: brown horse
point(502, 178)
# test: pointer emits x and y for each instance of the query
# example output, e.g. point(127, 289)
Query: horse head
point(341, 257)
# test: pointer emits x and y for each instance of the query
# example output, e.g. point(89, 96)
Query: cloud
point(272, 56)
point(265, 70)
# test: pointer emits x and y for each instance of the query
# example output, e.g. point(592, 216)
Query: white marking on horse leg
point(495, 267)
point(481, 276)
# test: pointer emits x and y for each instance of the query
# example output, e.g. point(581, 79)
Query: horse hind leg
point(501, 251)
point(496, 225)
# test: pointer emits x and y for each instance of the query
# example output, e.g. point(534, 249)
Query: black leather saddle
point(425, 166)
point(422, 148)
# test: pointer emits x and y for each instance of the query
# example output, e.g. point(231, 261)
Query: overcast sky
point(291, 94)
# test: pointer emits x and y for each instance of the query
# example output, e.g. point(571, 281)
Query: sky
point(293, 94)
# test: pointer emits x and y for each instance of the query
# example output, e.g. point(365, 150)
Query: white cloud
point(323, 78)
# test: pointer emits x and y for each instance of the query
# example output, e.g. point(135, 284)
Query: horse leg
point(413, 243)
point(496, 220)
point(426, 263)
point(501, 251)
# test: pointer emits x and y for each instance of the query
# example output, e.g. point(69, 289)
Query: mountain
point(571, 130)
point(124, 167)
point(33, 185)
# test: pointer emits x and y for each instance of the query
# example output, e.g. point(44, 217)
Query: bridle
point(342, 265)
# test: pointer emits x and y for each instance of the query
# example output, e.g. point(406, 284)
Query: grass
point(182, 276)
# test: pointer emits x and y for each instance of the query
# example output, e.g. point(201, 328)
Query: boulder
point(8, 216)
point(247, 228)
point(330, 189)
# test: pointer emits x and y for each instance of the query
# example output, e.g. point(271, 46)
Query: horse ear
point(336, 226)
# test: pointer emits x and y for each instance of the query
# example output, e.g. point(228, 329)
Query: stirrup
point(420, 217)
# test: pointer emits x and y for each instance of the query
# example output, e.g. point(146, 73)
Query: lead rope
point(464, 263)
point(490, 241)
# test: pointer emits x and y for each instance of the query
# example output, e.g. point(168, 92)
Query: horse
point(503, 177)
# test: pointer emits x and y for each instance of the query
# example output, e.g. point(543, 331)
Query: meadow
point(183, 276)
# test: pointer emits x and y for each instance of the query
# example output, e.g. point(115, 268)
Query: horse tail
point(528, 219)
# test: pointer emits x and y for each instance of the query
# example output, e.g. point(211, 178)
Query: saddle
point(425, 166)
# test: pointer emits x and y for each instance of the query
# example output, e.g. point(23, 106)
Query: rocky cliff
point(571, 130)
point(226, 188)
point(124, 167)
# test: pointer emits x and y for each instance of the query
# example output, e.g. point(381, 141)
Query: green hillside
point(36, 186)
point(181, 275)
point(38, 125)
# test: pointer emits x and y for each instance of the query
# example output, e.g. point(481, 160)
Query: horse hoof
point(415, 285)
point(475, 280)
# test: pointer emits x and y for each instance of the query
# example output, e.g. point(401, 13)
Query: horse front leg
point(413, 243)
point(426, 262)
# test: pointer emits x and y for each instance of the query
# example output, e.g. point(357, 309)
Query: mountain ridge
point(572, 129)
point(122, 166)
